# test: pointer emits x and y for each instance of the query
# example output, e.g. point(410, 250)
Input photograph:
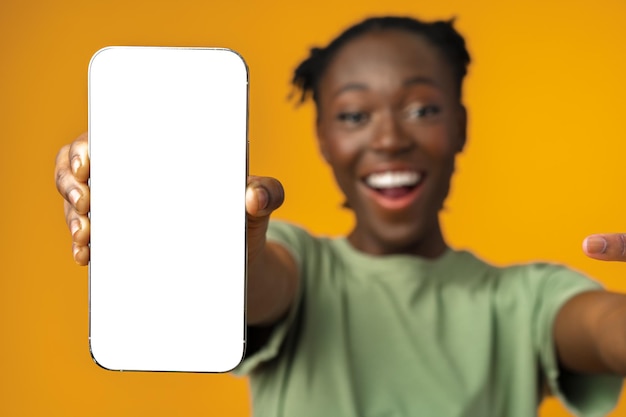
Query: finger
point(79, 158)
point(75, 192)
point(79, 228)
point(81, 254)
point(79, 225)
point(606, 247)
point(263, 196)
point(61, 167)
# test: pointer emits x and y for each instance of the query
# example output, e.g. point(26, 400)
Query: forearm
point(611, 337)
point(272, 285)
point(590, 333)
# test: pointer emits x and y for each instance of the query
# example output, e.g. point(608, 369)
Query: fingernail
point(263, 198)
point(74, 226)
point(74, 196)
point(595, 245)
point(76, 164)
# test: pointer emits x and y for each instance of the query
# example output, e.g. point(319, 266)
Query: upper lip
point(391, 167)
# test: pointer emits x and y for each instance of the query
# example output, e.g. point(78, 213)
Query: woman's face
point(390, 124)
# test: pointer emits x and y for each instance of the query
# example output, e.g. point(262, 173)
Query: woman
point(390, 321)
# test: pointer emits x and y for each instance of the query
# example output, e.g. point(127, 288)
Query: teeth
point(393, 179)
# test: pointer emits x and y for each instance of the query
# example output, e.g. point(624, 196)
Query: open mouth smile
point(394, 190)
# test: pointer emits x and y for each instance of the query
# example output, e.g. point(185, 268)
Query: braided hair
point(441, 34)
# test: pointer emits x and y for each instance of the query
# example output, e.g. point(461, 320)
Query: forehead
point(386, 57)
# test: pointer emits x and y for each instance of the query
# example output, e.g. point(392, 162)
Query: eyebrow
point(408, 82)
point(420, 80)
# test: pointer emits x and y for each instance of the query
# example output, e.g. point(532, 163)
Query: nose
point(390, 137)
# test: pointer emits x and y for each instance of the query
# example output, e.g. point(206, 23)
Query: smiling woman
point(410, 125)
point(390, 320)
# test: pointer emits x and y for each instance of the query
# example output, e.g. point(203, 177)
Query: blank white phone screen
point(168, 152)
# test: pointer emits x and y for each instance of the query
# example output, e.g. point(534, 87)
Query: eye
point(353, 118)
point(419, 111)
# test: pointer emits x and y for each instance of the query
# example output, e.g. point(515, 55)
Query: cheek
point(439, 143)
point(342, 151)
point(342, 162)
point(342, 155)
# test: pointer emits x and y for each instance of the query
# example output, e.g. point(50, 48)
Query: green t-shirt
point(404, 336)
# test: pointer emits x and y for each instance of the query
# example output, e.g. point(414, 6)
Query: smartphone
point(169, 162)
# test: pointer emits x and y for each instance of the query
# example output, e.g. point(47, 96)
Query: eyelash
point(351, 117)
point(358, 118)
point(423, 111)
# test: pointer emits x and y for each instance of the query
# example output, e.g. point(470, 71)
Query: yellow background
point(544, 165)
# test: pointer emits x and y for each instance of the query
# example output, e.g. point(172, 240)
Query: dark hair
point(441, 34)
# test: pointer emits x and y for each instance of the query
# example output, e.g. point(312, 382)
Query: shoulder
point(548, 278)
point(298, 241)
point(532, 282)
point(292, 235)
point(536, 274)
point(280, 230)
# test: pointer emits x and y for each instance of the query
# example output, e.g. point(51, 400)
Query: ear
point(461, 127)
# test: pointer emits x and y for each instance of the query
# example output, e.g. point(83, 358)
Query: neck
point(430, 244)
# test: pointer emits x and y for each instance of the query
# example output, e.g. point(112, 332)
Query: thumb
point(263, 196)
point(606, 247)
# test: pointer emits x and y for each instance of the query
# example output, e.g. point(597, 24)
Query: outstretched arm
point(590, 329)
point(272, 271)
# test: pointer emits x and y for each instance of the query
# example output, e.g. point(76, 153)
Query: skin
point(387, 100)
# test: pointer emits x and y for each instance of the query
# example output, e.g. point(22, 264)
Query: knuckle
point(60, 175)
point(61, 181)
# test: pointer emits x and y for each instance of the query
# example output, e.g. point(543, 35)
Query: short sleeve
point(583, 395)
point(297, 242)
